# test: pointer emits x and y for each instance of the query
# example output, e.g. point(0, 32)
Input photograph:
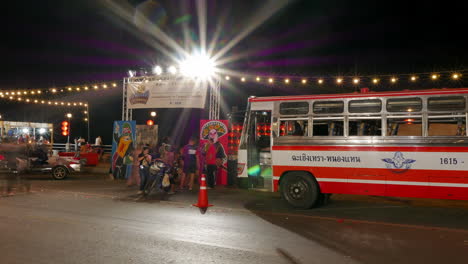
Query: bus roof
point(443, 91)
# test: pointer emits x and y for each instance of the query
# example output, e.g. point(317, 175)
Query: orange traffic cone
point(203, 196)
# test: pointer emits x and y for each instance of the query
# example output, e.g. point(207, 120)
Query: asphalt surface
point(89, 220)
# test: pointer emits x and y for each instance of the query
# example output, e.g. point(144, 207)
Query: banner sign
point(167, 93)
point(123, 145)
point(218, 131)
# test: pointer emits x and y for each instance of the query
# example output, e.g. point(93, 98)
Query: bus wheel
point(300, 190)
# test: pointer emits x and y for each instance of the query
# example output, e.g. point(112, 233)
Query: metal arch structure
point(126, 112)
point(214, 93)
point(215, 101)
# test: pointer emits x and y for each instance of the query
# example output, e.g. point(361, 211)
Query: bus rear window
point(294, 108)
point(365, 106)
point(447, 103)
point(328, 107)
point(413, 104)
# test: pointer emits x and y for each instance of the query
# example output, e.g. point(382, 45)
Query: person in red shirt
point(211, 167)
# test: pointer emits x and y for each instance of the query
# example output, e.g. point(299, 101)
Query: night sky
point(56, 43)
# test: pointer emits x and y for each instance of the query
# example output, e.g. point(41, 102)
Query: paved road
point(88, 221)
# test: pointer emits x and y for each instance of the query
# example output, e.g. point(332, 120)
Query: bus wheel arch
point(300, 189)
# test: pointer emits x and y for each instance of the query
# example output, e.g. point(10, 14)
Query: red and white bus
point(403, 144)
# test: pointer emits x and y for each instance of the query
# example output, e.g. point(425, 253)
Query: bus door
point(259, 168)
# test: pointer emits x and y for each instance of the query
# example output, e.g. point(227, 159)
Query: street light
point(153, 114)
point(69, 116)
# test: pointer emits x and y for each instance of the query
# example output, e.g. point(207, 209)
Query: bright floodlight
point(42, 130)
point(153, 114)
point(157, 70)
point(172, 70)
point(26, 130)
point(198, 66)
point(69, 115)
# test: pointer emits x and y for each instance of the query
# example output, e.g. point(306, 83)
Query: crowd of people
point(188, 162)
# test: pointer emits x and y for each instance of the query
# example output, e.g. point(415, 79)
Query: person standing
point(190, 162)
point(98, 146)
point(210, 161)
point(144, 160)
point(98, 141)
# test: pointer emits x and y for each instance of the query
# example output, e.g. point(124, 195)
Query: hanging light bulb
point(355, 80)
point(257, 79)
point(339, 81)
point(456, 76)
point(286, 81)
point(304, 81)
point(320, 81)
point(375, 81)
point(413, 78)
point(393, 79)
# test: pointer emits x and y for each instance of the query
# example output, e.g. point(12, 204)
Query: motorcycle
point(160, 178)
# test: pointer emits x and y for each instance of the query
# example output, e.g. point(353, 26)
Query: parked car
point(27, 158)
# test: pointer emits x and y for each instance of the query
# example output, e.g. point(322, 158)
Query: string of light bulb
point(355, 80)
point(44, 102)
point(57, 90)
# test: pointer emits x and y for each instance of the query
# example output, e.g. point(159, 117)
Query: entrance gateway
point(402, 144)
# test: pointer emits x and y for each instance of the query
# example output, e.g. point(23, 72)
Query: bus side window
point(404, 126)
point(448, 126)
point(365, 127)
point(328, 128)
point(294, 128)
